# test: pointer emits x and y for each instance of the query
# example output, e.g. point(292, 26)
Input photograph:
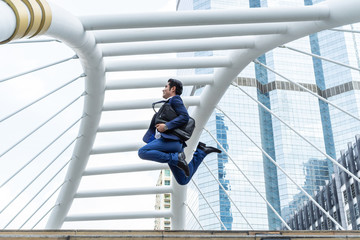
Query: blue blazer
point(182, 119)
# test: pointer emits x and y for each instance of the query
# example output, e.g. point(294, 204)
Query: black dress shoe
point(182, 164)
point(206, 149)
point(201, 144)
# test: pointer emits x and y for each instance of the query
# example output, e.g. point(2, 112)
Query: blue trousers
point(166, 151)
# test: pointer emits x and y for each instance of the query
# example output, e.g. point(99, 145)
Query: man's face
point(167, 92)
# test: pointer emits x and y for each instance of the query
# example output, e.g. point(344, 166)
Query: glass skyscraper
point(323, 125)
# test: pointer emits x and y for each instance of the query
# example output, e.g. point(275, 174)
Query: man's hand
point(161, 127)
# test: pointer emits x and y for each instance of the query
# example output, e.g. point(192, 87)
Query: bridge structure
point(96, 39)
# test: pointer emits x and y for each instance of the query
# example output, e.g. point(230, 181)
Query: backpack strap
point(162, 101)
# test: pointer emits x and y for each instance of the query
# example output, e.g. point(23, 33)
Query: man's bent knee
point(182, 181)
point(142, 153)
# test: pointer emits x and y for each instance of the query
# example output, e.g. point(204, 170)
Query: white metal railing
point(124, 192)
point(125, 169)
point(151, 82)
point(144, 103)
point(123, 126)
point(170, 46)
point(169, 33)
point(121, 215)
point(166, 63)
point(214, 17)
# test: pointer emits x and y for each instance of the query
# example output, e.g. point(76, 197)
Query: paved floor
point(172, 235)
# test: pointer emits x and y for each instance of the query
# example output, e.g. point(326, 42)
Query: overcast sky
point(85, 7)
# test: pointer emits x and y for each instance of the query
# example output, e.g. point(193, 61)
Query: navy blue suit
point(168, 146)
point(182, 119)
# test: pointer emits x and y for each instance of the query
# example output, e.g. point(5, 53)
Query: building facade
point(341, 202)
point(163, 201)
point(323, 125)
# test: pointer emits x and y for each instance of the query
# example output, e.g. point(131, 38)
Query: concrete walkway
point(172, 235)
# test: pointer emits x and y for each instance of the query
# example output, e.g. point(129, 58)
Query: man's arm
point(183, 115)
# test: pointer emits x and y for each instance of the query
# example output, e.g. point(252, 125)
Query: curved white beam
point(124, 192)
point(151, 82)
point(116, 216)
point(166, 63)
point(145, 103)
point(189, 32)
point(123, 126)
point(146, 166)
point(124, 147)
point(70, 31)
point(173, 46)
point(212, 17)
point(7, 16)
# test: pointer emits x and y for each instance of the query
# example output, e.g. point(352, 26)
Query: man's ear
point(173, 89)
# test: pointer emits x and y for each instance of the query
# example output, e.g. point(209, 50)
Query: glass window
point(329, 222)
point(356, 209)
point(348, 218)
point(322, 225)
point(345, 197)
point(352, 186)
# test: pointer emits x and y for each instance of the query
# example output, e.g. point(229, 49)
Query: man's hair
point(176, 83)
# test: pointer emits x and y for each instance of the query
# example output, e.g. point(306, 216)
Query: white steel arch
point(247, 32)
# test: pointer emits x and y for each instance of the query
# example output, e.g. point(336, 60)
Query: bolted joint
point(29, 26)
